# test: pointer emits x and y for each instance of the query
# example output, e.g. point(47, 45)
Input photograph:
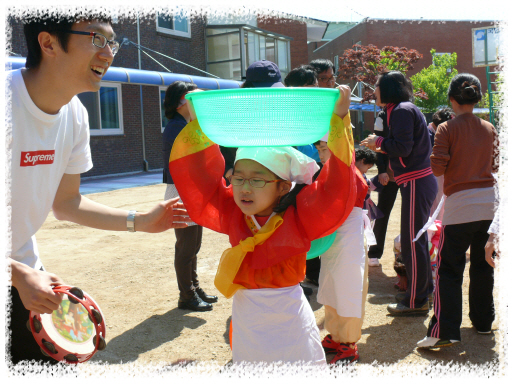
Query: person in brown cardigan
point(466, 153)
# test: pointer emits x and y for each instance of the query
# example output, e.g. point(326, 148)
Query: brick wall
point(120, 153)
point(291, 28)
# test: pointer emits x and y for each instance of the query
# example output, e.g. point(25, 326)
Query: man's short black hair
point(55, 25)
point(301, 76)
point(394, 87)
point(367, 155)
point(321, 65)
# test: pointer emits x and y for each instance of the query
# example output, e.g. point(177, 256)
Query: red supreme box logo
point(29, 159)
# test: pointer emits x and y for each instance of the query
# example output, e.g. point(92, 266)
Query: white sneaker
point(434, 342)
point(374, 262)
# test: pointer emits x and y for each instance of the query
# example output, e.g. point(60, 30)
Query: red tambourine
point(74, 332)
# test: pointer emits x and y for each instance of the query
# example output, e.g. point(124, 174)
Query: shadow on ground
point(129, 345)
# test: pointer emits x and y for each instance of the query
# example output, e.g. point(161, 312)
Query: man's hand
point(36, 288)
point(166, 215)
point(383, 178)
point(489, 250)
point(343, 103)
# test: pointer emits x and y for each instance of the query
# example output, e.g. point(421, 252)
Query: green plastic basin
point(253, 117)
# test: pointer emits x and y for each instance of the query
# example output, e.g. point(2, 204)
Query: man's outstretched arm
point(70, 205)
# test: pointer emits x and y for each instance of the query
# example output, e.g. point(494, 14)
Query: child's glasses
point(255, 182)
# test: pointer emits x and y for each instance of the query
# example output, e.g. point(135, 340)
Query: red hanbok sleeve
point(197, 168)
point(325, 204)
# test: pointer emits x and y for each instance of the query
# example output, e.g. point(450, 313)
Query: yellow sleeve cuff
point(341, 141)
point(189, 141)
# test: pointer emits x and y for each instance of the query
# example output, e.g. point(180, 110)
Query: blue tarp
point(364, 107)
point(143, 77)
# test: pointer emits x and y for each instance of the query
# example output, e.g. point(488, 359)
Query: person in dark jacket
point(387, 195)
point(408, 147)
point(188, 240)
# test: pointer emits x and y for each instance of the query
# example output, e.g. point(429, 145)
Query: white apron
point(342, 268)
point(275, 324)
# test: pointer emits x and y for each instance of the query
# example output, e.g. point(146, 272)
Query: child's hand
point(343, 103)
point(191, 106)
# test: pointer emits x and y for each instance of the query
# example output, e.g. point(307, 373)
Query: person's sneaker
point(195, 304)
point(373, 262)
point(398, 309)
point(434, 342)
point(206, 298)
point(329, 345)
point(484, 332)
point(346, 353)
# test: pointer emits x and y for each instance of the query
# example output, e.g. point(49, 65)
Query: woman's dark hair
point(247, 84)
point(291, 197)
point(367, 155)
point(465, 89)
point(394, 87)
point(301, 76)
point(442, 115)
point(173, 96)
point(321, 65)
point(55, 25)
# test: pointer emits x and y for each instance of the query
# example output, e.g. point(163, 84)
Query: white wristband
point(130, 221)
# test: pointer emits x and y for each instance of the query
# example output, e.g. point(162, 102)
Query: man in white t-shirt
point(49, 142)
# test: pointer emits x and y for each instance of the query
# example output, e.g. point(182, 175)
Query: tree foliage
point(364, 64)
point(435, 81)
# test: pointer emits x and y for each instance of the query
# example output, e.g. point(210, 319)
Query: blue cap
point(264, 73)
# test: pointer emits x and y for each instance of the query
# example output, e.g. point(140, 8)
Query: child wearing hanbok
point(270, 230)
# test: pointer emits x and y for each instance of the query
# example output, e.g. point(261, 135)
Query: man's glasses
point(98, 40)
point(256, 182)
point(331, 79)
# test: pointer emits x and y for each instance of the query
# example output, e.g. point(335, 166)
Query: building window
point(173, 25)
point(229, 58)
point(163, 119)
point(104, 109)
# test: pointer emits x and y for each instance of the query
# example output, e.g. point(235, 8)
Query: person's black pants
point(188, 244)
point(22, 346)
point(451, 261)
point(386, 202)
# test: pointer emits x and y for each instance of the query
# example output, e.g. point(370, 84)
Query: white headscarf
point(285, 162)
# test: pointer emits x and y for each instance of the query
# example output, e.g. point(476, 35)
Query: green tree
point(435, 80)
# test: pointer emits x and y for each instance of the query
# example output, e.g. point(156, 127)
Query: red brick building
point(445, 36)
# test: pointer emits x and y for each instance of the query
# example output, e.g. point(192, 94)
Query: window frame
point(259, 34)
point(110, 131)
point(160, 89)
point(174, 32)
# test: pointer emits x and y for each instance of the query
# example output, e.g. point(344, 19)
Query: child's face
point(323, 151)
point(363, 168)
point(257, 201)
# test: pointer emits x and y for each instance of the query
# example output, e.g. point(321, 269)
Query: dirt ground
point(131, 276)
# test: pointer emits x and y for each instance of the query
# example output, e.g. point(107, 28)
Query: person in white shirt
point(48, 136)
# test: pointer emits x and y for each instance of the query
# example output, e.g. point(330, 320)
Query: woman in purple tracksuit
point(408, 147)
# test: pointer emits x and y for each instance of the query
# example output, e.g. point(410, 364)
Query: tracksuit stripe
point(437, 301)
point(413, 248)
